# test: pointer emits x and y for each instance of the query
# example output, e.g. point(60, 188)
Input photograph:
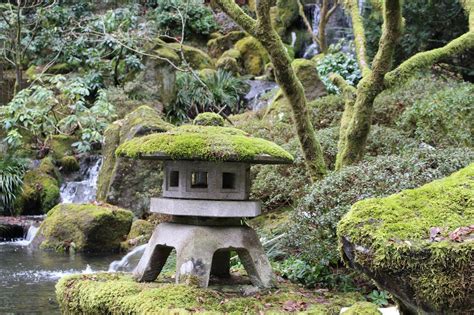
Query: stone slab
point(206, 208)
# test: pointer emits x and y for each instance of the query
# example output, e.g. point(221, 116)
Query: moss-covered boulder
point(139, 234)
point(220, 43)
point(283, 15)
point(306, 72)
point(362, 308)
point(130, 183)
point(209, 119)
point(196, 58)
point(69, 164)
point(119, 294)
point(252, 55)
point(40, 190)
point(417, 244)
point(60, 146)
point(83, 227)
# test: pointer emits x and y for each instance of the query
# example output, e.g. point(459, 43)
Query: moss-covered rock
point(228, 64)
point(130, 183)
point(362, 308)
point(196, 58)
point(120, 294)
point(219, 44)
point(60, 146)
point(314, 88)
point(204, 143)
point(83, 227)
point(283, 15)
point(308, 75)
point(417, 244)
point(139, 234)
point(69, 164)
point(252, 56)
point(40, 190)
point(209, 119)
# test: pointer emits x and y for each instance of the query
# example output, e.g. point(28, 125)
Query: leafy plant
point(11, 181)
point(216, 91)
point(58, 106)
point(379, 298)
point(342, 63)
point(198, 18)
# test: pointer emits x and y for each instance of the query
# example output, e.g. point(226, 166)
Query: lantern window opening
point(174, 179)
point(229, 180)
point(199, 179)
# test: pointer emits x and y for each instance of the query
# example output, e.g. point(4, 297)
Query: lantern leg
point(153, 259)
point(193, 265)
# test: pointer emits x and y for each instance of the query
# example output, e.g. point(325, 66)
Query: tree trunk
point(294, 93)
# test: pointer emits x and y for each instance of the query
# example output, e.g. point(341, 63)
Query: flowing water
point(28, 277)
point(84, 189)
point(258, 88)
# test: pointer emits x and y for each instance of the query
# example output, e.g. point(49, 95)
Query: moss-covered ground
point(120, 294)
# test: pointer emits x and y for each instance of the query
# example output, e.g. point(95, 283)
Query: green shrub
point(221, 90)
point(313, 229)
point(444, 118)
point(199, 18)
point(11, 180)
point(391, 103)
point(336, 61)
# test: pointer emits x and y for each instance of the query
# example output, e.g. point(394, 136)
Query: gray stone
point(206, 180)
point(195, 248)
point(206, 208)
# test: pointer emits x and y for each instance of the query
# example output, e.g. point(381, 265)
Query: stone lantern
point(206, 192)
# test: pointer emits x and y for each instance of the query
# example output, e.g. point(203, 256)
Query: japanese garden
point(237, 157)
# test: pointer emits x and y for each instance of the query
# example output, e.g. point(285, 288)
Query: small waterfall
point(312, 49)
point(293, 39)
point(30, 235)
point(82, 191)
point(125, 261)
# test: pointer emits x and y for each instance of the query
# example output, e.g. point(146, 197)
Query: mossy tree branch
point(292, 88)
point(352, 140)
point(359, 35)
point(425, 59)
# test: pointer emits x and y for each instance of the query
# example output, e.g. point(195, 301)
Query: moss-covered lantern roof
point(205, 143)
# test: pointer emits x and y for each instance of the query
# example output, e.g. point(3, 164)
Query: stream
point(27, 277)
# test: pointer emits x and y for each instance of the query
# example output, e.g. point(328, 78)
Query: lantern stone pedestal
point(206, 190)
point(204, 250)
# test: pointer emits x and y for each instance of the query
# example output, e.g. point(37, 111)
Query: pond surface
point(27, 278)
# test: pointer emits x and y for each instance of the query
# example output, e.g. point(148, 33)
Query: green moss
point(196, 58)
point(60, 146)
point(218, 45)
point(283, 15)
point(111, 142)
point(139, 234)
point(119, 294)
point(232, 53)
point(209, 119)
point(142, 120)
point(69, 164)
point(253, 56)
point(362, 308)
point(204, 143)
point(396, 232)
point(228, 64)
point(40, 190)
point(84, 227)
